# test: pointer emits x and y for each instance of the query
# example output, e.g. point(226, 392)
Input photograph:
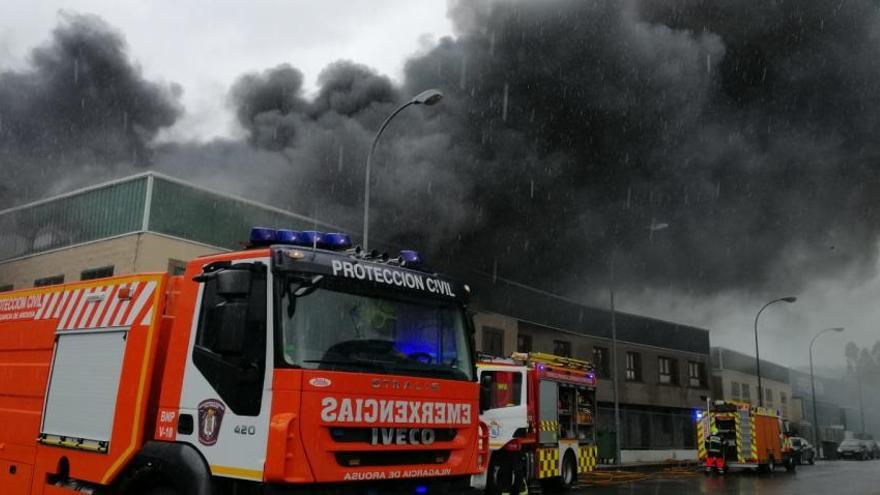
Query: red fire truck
point(298, 364)
point(541, 413)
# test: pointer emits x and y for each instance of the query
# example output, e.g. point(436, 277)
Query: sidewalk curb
point(647, 466)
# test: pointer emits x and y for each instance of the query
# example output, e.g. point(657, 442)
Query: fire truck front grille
point(365, 435)
point(391, 458)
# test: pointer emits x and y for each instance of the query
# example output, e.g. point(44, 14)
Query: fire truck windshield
point(333, 329)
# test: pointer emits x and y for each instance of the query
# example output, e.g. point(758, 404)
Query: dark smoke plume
point(79, 111)
point(570, 128)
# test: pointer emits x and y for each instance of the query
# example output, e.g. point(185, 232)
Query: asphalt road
point(825, 478)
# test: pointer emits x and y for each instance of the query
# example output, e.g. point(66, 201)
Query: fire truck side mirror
point(234, 283)
point(228, 322)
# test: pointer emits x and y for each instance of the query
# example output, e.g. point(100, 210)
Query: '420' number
point(245, 430)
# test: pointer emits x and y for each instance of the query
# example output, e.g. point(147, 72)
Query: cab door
point(227, 382)
point(503, 403)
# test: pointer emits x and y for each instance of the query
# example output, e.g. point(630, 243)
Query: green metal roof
point(147, 202)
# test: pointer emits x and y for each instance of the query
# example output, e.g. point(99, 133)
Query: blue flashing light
point(262, 236)
point(410, 257)
point(337, 241)
point(312, 238)
point(698, 415)
point(421, 489)
point(287, 236)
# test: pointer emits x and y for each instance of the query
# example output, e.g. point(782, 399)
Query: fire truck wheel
point(568, 475)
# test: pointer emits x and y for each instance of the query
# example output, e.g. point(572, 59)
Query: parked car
point(854, 448)
point(806, 453)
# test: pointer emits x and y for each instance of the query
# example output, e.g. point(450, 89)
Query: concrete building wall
point(131, 253)
point(731, 385)
point(646, 391)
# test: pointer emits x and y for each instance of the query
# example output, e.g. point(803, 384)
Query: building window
point(602, 362)
point(633, 367)
point(493, 341)
point(746, 392)
point(53, 280)
point(176, 267)
point(783, 401)
point(668, 371)
point(6, 288)
point(523, 343)
point(768, 397)
point(734, 390)
point(93, 273)
point(562, 348)
point(696, 374)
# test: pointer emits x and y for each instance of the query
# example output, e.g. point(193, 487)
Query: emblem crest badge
point(210, 417)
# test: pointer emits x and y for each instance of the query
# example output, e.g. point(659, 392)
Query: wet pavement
point(833, 477)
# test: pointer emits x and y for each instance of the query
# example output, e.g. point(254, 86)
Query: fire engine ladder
point(561, 361)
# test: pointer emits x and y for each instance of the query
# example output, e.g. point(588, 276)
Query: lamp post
point(615, 378)
point(427, 97)
point(788, 299)
point(813, 385)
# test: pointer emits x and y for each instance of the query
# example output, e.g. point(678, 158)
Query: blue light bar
point(410, 258)
point(287, 236)
point(421, 489)
point(312, 238)
point(262, 236)
point(337, 241)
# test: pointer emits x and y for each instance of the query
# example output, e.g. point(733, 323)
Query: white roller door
point(81, 399)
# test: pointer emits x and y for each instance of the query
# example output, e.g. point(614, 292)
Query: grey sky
point(205, 44)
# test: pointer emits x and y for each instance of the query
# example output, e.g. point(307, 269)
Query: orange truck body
point(737, 435)
point(99, 394)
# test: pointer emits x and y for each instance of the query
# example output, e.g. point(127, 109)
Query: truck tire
point(567, 473)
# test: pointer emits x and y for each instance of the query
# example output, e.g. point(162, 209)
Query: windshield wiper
point(353, 363)
point(431, 369)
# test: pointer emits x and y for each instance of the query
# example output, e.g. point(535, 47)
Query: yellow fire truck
point(737, 435)
point(541, 414)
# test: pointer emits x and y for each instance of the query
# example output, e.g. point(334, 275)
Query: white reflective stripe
point(122, 310)
point(110, 292)
point(88, 308)
point(71, 322)
point(61, 303)
point(108, 315)
point(147, 317)
point(44, 305)
point(68, 310)
point(139, 304)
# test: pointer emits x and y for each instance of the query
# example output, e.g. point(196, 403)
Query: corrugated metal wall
point(211, 218)
point(108, 211)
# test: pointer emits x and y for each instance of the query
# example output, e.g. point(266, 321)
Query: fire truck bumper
point(444, 486)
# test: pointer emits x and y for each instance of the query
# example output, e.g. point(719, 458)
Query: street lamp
point(789, 300)
point(813, 385)
point(653, 228)
point(428, 97)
